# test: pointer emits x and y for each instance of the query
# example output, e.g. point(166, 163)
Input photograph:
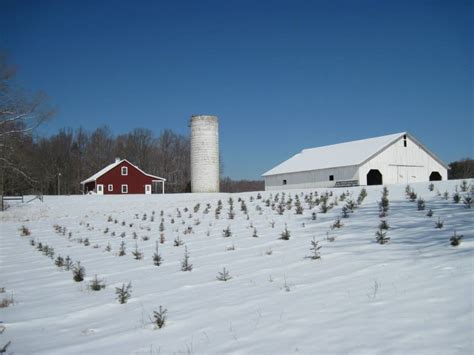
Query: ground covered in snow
point(413, 294)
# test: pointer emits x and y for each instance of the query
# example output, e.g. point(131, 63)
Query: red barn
point(122, 177)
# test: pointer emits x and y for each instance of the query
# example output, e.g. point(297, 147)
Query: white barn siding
point(400, 164)
point(311, 179)
point(352, 161)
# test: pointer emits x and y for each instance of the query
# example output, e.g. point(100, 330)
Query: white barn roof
point(335, 155)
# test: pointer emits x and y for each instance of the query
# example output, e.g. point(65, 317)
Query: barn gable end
point(404, 161)
point(122, 177)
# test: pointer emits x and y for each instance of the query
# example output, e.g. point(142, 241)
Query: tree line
point(63, 160)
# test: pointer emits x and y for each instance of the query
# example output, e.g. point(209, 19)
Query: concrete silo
point(204, 154)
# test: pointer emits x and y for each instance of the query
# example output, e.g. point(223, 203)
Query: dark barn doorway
point(374, 177)
point(435, 176)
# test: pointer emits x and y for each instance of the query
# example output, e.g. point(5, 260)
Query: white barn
point(391, 159)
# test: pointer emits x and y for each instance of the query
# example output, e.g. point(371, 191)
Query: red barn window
point(124, 170)
point(124, 189)
point(110, 187)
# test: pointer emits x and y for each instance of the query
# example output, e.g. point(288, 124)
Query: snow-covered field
point(413, 295)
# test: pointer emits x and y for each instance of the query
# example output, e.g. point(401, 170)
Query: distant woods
point(462, 169)
point(229, 185)
point(78, 154)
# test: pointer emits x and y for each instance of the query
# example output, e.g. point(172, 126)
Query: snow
point(335, 155)
point(412, 295)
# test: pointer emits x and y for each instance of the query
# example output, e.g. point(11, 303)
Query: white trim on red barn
point(113, 165)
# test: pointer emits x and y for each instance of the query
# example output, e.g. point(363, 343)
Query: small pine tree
point(231, 214)
point(429, 213)
point(157, 259)
point(464, 186)
point(243, 207)
point(455, 239)
point(78, 272)
point(315, 250)
point(255, 235)
point(124, 293)
point(160, 317)
point(431, 187)
point(122, 249)
point(421, 204)
point(185, 265)
point(350, 205)
point(345, 212)
point(313, 216)
point(383, 224)
point(381, 237)
point(285, 235)
point(68, 263)
point(162, 227)
point(362, 196)
point(227, 232)
point(299, 208)
point(456, 197)
point(59, 262)
point(439, 224)
point(281, 208)
point(467, 200)
point(384, 203)
point(177, 241)
point(137, 255)
point(337, 223)
point(96, 284)
point(323, 206)
point(162, 238)
point(108, 247)
point(24, 231)
point(224, 275)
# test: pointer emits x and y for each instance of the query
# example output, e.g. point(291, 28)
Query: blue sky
point(281, 75)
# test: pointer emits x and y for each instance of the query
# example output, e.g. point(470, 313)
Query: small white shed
point(391, 159)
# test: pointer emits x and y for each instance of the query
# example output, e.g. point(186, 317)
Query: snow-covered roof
point(335, 155)
point(113, 165)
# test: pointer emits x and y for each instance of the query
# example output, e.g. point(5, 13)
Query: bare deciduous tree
point(20, 114)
